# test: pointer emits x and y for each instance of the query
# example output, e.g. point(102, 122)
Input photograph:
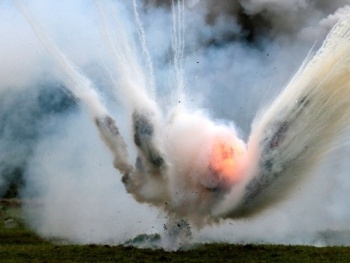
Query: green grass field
point(18, 244)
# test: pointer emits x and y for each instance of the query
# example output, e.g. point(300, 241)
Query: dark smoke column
point(109, 132)
point(146, 180)
point(144, 139)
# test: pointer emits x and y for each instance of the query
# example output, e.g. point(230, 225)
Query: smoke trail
point(83, 89)
point(145, 113)
point(80, 86)
point(178, 44)
point(131, 81)
point(142, 37)
point(302, 124)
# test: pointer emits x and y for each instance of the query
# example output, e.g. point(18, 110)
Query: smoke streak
point(178, 44)
point(142, 37)
point(83, 89)
point(78, 84)
point(181, 158)
point(291, 137)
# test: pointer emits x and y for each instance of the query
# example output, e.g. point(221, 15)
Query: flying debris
point(111, 136)
point(144, 139)
point(270, 167)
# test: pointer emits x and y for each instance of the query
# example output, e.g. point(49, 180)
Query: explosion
point(226, 159)
point(191, 166)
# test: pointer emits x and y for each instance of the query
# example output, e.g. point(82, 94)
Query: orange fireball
point(226, 158)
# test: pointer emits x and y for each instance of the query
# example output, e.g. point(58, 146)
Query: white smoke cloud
point(81, 198)
point(19, 52)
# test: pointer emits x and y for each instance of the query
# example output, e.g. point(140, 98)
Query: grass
point(18, 244)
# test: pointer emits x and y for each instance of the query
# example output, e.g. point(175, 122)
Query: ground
point(19, 244)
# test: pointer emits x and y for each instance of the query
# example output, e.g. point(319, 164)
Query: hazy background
point(238, 55)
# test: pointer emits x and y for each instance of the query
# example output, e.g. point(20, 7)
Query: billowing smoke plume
point(171, 89)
